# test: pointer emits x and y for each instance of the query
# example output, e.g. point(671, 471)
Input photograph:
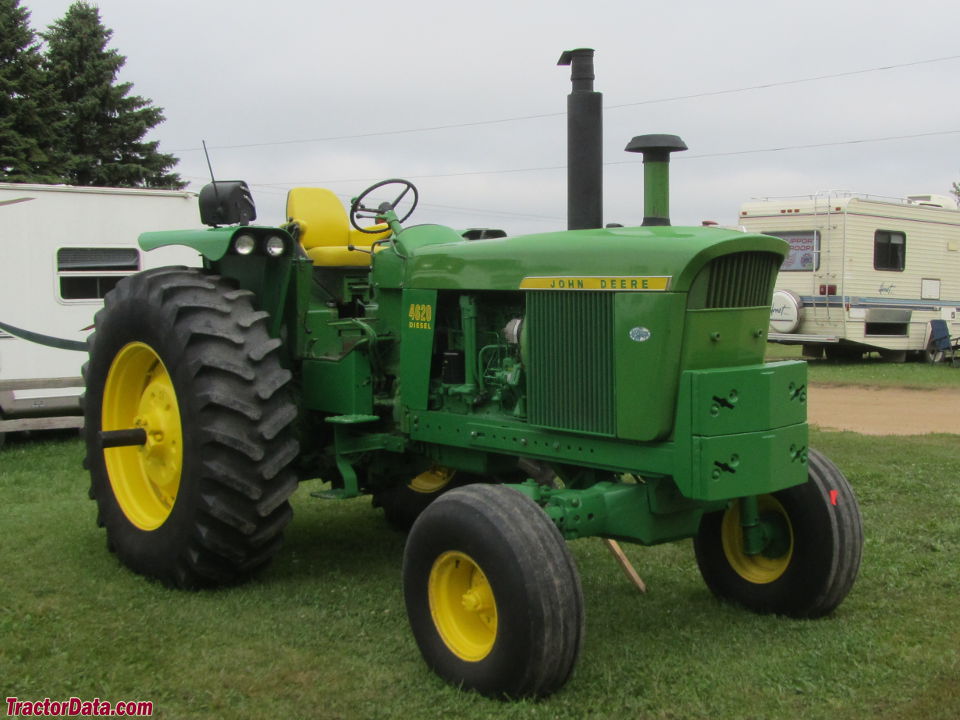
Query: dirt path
point(884, 411)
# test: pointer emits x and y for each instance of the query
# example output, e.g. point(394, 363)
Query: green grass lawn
point(322, 633)
point(871, 370)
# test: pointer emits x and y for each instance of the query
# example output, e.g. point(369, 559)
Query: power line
point(782, 83)
point(821, 145)
point(809, 146)
point(282, 188)
point(464, 173)
point(476, 123)
point(513, 214)
point(374, 134)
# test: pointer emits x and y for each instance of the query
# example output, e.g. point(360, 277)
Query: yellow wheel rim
point(760, 569)
point(432, 480)
point(462, 605)
point(139, 393)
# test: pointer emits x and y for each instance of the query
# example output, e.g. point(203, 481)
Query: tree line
point(64, 117)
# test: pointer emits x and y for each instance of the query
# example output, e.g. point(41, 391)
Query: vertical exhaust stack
point(584, 143)
point(656, 151)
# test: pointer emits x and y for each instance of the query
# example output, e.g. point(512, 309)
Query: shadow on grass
point(345, 539)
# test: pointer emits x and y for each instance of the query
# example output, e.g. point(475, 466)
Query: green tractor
point(495, 395)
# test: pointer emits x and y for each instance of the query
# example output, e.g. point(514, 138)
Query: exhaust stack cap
point(656, 148)
point(581, 70)
point(656, 151)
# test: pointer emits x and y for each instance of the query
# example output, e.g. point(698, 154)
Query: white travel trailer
point(61, 249)
point(864, 273)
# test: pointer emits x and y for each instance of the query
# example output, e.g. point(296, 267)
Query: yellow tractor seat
point(324, 229)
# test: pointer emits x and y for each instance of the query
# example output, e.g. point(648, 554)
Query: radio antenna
point(213, 180)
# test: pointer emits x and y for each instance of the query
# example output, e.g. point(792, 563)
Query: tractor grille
point(742, 280)
point(570, 382)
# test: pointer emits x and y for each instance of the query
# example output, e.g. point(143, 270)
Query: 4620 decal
point(420, 316)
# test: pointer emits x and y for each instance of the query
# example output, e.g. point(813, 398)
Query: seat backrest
point(319, 213)
point(940, 334)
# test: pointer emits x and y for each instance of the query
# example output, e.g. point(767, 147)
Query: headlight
point(275, 246)
point(244, 244)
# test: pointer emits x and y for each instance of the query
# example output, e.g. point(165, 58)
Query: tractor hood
point(638, 258)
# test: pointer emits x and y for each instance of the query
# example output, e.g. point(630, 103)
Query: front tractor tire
point(812, 560)
point(492, 593)
point(188, 429)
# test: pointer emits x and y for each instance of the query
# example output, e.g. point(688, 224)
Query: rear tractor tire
point(403, 503)
point(191, 472)
point(810, 565)
point(492, 593)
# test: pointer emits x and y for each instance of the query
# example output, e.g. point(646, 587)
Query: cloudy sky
point(466, 100)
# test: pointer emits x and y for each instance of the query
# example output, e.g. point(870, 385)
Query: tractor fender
point(212, 243)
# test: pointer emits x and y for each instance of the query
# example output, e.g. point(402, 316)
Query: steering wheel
point(359, 210)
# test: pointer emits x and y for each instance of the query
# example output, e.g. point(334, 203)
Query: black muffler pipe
point(656, 151)
point(584, 143)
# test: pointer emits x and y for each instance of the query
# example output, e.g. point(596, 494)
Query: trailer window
point(804, 250)
point(90, 273)
point(889, 250)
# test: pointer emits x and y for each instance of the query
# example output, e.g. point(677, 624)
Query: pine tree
point(29, 114)
point(104, 124)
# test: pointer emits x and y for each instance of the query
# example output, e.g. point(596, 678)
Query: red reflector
point(833, 497)
point(831, 289)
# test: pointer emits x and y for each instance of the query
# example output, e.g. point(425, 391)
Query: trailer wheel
point(810, 563)
point(188, 429)
point(843, 353)
point(893, 356)
point(492, 593)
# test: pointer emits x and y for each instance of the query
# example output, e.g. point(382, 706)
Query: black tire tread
point(825, 563)
point(849, 530)
point(545, 567)
point(242, 415)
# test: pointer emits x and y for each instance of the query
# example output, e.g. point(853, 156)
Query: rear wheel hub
point(139, 393)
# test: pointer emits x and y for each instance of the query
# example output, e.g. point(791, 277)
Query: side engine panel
point(598, 363)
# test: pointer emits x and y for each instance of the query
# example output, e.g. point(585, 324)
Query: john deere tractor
point(496, 395)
